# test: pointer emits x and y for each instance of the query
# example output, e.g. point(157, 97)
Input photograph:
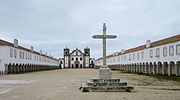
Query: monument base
point(104, 72)
point(105, 83)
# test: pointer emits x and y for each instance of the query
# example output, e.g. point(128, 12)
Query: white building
point(159, 57)
point(77, 59)
point(17, 59)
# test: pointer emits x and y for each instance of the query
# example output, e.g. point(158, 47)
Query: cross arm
point(98, 36)
point(110, 36)
point(102, 36)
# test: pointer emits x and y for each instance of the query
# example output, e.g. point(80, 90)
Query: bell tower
point(66, 58)
point(86, 57)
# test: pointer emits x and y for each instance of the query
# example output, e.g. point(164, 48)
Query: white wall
point(66, 63)
point(124, 58)
point(80, 61)
point(87, 59)
point(6, 59)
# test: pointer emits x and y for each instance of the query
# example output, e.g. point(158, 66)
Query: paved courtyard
point(63, 85)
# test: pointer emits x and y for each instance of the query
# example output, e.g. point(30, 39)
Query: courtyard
point(63, 84)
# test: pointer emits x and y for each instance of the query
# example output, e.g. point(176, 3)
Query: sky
point(52, 25)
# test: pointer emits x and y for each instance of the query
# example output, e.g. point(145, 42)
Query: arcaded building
point(158, 57)
point(18, 59)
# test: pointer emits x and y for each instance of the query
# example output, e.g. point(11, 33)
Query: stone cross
point(104, 37)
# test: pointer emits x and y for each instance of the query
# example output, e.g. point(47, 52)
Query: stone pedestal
point(105, 83)
point(104, 72)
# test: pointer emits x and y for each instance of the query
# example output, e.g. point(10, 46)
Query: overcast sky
point(51, 25)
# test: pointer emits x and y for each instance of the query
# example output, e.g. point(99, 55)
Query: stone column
point(145, 69)
point(157, 69)
point(153, 71)
point(169, 73)
point(176, 73)
point(6, 69)
point(163, 69)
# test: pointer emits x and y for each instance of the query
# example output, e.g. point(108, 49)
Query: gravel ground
point(63, 85)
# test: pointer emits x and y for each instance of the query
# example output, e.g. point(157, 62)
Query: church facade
point(77, 59)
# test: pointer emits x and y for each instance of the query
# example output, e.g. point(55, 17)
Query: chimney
point(148, 43)
point(115, 53)
point(15, 42)
point(123, 51)
point(40, 52)
point(32, 49)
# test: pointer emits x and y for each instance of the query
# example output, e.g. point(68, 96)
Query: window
point(130, 57)
point(113, 59)
point(118, 59)
point(178, 49)
point(22, 55)
point(11, 52)
point(72, 59)
point(138, 55)
point(171, 50)
point(34, 57)
point(133, 56)
point(26, 55)
point(124, 58)
point(39, 58)
point(151, 53)
point(142, 55)
point(80, 58)
point(15, 53)
point(76, 58)
point(165, 51)
point(157, 52)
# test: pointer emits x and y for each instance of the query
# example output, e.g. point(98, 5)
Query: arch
point(9, 68)
point(165, 68)
point(178, 68)
point(147, 68)
point(144, 68)
point(124, 67)
point(160, 69)
point(24, 68)
point(151, 68)
point(137, 68)
point(72, 65)
point(172, 69)
point(17, 68)
point(92, 64)
point(155, 68)
point(21, 68)
point(132, 67)
point(80, 65)
point(13, 69)
point(140, 67)
point(127, 67)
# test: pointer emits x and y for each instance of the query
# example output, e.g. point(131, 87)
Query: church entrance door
point(77, 65)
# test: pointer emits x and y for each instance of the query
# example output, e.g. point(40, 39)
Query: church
point(77, 59)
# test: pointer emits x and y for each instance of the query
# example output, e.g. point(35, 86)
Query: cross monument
point(105, 83)
point(104, 71)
